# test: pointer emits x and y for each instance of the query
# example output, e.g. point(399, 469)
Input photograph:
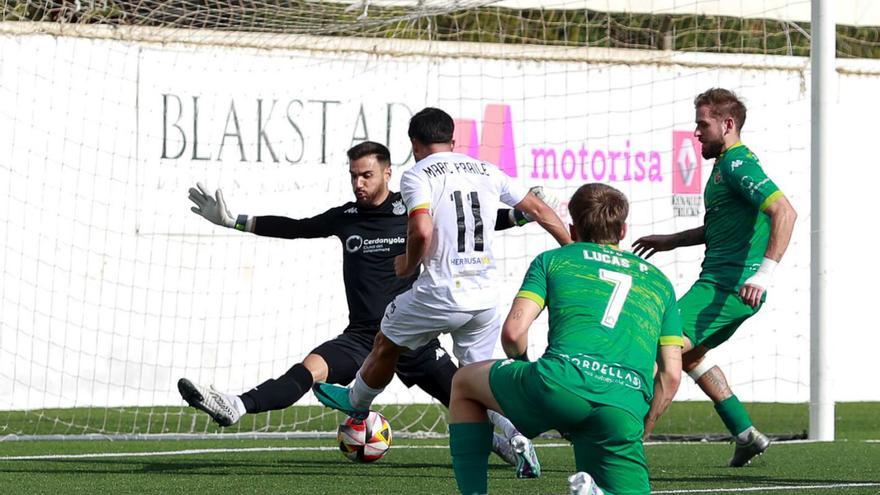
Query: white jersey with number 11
point(463, 195)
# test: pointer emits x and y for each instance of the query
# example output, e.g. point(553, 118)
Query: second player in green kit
point(737, 233)
point(746, 230)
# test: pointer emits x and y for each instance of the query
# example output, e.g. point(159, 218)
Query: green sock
point(734, 415)
point(470, 444)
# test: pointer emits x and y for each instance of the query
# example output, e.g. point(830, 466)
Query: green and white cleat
point(527, 465)
point(504, 450)
point(336, 397)
point(223, 408)
point(751, 448)
point(582, 483)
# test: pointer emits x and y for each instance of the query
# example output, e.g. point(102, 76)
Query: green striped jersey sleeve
point(670, 331)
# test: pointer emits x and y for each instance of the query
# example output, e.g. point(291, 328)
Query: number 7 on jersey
point(622, 283)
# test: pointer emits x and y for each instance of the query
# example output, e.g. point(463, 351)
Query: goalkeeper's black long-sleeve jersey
point(371, 238)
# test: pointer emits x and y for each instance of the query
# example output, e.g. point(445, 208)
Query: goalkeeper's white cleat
point(582, 484)
point(224, 409)
point(503, 449)
point(527, 464)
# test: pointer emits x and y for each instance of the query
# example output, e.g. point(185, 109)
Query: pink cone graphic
point(496, 145)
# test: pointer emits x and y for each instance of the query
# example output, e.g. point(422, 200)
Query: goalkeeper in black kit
point(372, 230)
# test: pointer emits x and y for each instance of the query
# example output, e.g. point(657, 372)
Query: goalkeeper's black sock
point(280, 392)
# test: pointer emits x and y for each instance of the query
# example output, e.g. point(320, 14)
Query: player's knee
point(385, 348)
point(317, 366)
point(461, 382)
point(459, 379)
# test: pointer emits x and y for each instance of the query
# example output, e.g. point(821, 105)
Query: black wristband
point(522, 357)
point(241, 223)
point(520, 218)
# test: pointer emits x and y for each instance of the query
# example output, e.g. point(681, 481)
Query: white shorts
point(409, 323)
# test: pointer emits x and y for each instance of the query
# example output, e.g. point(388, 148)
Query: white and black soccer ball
point(364, 440)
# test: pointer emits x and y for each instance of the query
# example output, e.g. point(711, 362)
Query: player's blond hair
point(723, 103)
point(598, 212)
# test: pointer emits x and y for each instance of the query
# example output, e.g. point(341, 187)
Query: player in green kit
point(746, 230)
point(612, 315)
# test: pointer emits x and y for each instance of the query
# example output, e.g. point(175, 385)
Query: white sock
point(362, 395)
point(239, 405)
point(506, 426)
point(743, 436)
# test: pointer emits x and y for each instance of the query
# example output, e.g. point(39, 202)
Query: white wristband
point(768, 266)
point(762, 277)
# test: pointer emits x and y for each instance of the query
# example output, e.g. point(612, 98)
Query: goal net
point(111, 110)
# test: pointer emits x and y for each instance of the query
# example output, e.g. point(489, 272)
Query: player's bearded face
point(369, 180)
point(712, 149)
point(710, 132)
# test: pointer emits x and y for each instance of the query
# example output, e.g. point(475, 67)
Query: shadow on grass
point(276, 467)
point(207, 467)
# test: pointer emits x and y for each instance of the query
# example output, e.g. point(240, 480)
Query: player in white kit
point(451, 200)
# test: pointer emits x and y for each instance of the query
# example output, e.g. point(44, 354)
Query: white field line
point(165, 453)
point(770, 488)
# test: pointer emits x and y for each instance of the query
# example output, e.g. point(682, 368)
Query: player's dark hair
point(431, 125)
point(367, 148)
point(723, 103)
point(598, 212)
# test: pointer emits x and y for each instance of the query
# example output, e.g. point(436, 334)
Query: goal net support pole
point(822, 59)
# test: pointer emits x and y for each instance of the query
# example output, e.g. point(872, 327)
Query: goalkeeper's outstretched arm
point(214, 209)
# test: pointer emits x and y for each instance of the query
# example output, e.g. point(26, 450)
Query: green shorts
point(607, 440)
point(710, 314)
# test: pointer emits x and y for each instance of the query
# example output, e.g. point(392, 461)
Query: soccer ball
point(364, 441)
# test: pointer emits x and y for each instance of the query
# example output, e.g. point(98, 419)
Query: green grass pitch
point(850, 465)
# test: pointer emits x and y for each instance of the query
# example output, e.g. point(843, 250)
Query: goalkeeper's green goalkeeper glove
point(520, 218)
point(213, 209)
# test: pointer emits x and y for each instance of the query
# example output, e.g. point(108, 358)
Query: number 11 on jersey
point(462, 226)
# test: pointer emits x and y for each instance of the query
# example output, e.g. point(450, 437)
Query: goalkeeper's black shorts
point(429, 366)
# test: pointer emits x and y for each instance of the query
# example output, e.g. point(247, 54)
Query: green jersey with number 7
point(609, 310)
